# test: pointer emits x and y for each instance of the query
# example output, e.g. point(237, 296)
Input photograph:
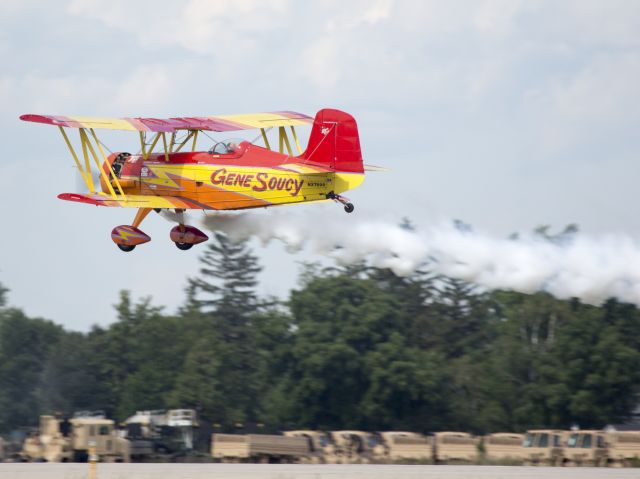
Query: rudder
point(334, 142)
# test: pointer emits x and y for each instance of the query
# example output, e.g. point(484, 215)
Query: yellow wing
point(210, 123)
point(135, 201)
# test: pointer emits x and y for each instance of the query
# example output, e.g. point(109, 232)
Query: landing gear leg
point(348, 207)
point(140, 215)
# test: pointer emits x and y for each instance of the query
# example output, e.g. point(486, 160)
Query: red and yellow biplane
point(228, 176)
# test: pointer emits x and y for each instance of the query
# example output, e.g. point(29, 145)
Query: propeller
point(80, 185)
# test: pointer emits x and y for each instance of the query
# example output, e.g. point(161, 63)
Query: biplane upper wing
point(169, 125)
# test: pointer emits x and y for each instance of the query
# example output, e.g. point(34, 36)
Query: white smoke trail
point(173, 217)
point(592, 268)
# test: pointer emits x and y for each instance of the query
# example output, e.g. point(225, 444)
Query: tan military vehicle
point(501, 446)
point(403, 447)
point(65, 441)
point(623, 447)
point(585, 448)
point(321, 449)
point(48, 444)
point(354, 447)
point(258, 448)
point(544, 447)
point(31, 448)
point(159, 433)
point(455, 447)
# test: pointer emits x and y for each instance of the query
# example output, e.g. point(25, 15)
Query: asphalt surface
point(279, 471)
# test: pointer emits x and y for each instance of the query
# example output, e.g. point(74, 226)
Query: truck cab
point(586, 448)
point(544, 446)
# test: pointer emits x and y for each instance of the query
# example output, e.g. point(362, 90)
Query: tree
point(227, 280)
point(135, 358)
point(201, 383)
point(3, 296)
point(68, 381)
point(456, 321)
point(407, 388)
point(600, 364)
point(24, 346)
point(520, 386)
point(224, 302)
point(338, 321)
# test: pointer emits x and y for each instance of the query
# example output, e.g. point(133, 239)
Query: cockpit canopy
point(226, 147)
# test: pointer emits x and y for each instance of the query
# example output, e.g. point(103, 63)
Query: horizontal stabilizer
point(380, 169)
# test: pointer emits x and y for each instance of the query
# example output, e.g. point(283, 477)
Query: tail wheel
point(125, 247)
point(184, 246)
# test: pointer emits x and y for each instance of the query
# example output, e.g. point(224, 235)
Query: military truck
point(501, 446)
point(157, 433)
point(585, 448)
point(321, 448)
point(544, 447)
point(403, 446)
point(623, 447)
point(258, 448)
point(455, 447)
point(354, 447)
point(68, 440)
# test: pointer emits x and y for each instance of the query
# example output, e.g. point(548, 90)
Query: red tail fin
point(334, 142)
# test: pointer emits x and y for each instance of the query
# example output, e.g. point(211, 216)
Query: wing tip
point(78, 198)
point(46, 119)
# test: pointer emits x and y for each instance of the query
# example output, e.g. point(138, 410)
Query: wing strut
point(87, 151)
point(104, 157)
point(143, 145)
point(283, 138)
point(264, 137)
point(295, 137)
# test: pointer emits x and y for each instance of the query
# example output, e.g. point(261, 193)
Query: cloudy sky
point(506, 114)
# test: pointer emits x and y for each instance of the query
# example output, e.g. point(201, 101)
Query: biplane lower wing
point(136, 201)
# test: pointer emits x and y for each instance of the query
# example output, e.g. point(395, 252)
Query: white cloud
point(142, 88)
point(222, 28)
point(379, 11)
point(5, 88)
point(497, 17)
point(592, 23)
point(596, 103)
point(606, 90)
point(131, 93)
point(321, 65)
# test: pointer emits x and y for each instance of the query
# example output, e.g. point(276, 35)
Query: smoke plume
point(592, 268)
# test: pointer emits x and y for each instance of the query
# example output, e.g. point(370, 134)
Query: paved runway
point(278, 471)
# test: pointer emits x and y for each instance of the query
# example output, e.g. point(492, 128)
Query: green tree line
point(352, 347)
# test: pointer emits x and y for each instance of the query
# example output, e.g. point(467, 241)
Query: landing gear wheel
point(348, 207)
point(125, 247)
point(184, 246)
